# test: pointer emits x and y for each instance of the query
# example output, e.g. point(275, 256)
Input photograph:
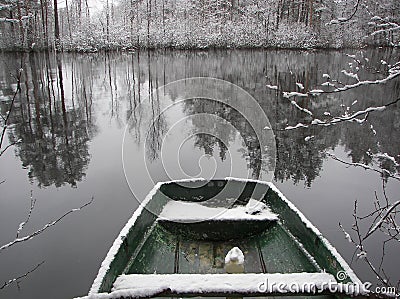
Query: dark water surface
point(71, 117)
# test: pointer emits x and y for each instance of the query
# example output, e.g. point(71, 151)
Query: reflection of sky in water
point(97, 112)
point(181, 145)
point(189, 151)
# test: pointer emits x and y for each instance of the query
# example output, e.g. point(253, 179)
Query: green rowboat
point(176, 243)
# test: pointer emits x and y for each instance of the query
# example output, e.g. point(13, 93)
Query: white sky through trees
point(93, 4)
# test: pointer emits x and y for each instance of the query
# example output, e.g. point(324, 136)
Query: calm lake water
point(77, 112)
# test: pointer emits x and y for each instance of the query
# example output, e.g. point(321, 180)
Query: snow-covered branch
point(353, 117)
point(41, 230)
point(22, 224)
point(385, 216)
point(384, 25)
point(345, 19)
point(394, 72)
point(17, 279)
point(23, 18)
point(383, 220)
point(383, 172)
point(358, 240)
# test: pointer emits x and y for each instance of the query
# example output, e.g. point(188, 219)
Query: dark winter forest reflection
point(69, 119)
point(55, 117)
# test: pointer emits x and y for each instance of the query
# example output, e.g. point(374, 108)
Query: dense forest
point(76, 25)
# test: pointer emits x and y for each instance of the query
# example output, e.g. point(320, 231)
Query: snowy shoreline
point(121, 49)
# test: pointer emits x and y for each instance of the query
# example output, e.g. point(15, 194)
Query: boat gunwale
point(113, 251)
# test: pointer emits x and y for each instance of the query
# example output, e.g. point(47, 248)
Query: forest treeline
point(127, 24)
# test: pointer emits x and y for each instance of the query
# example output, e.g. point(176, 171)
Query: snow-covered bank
point(184, 24)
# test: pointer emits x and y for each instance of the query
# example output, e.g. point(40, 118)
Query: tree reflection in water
point(54, 130)
point(63, 96)
point(54, 114)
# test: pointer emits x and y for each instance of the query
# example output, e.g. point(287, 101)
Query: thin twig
point(11, 107)
point(380, 222)
point(17, 279)
point(344, 20)
point(22, 224)
point(8, 146)
point(39, 231)
point(385, 224)
point(344, 118)
point(383, 172)
point(316, 92)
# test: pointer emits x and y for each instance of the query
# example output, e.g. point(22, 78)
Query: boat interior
point(271, 251)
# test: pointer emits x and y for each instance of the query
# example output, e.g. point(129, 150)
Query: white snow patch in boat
point(180, 211)
point(254, 207)
point(234, 255)
point(252, 283)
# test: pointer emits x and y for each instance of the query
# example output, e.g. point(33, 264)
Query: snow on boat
point(176, 244)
